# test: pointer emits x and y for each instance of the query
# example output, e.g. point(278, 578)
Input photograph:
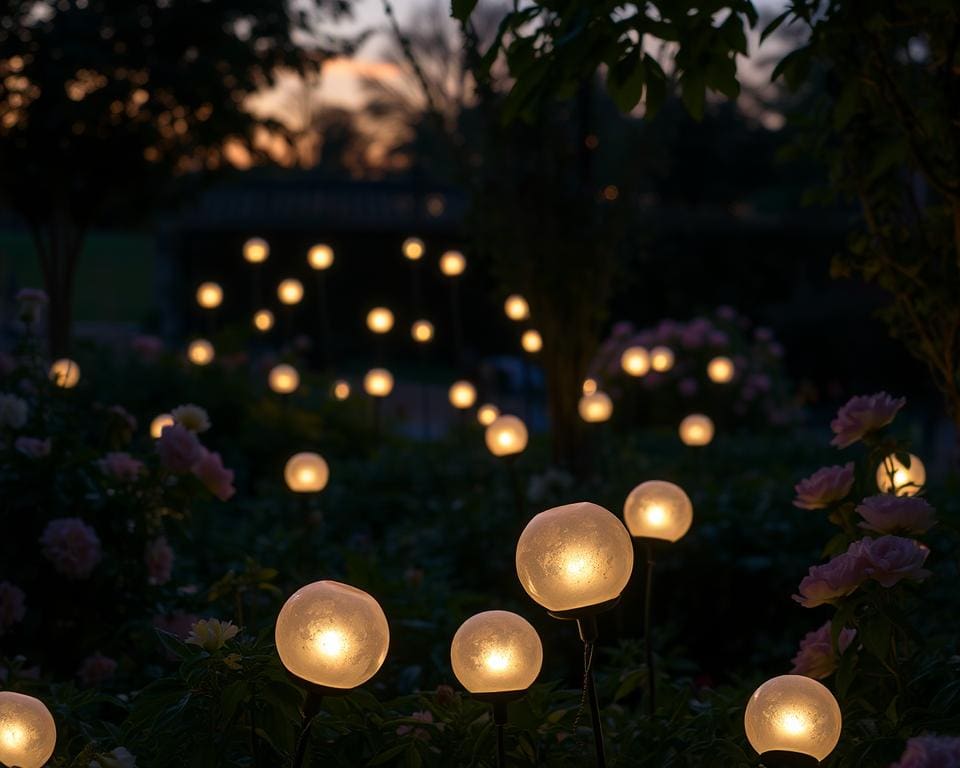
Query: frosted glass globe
point(720, 370)
point(696, 430)
point(341, 389)
point(159, 423)
point(657, 509)
point(506, 436)
point(496, 652)
point(595, 408)
point(413, 248)
point(332, 634)
point(516, 307)
point(422, 331)
point(661, 359)
point(462, 395)
point(453, 263)
point(793, 713)
point(378, 382)
point(28, 734)
point(256, 250)
point(893, 477)
point(487, 414)
point(635, 361)
point(209, 295)
point(306, 472)
point(283, 379)
point(320, 256)
point(531, 341)
point(380, 320)
point(263, 320)
point(200, 352)
point(574, 556)
point(65, 373)
point(290, 291)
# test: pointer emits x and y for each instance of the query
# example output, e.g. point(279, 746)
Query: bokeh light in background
point(596, 407)
point(696, 430)
point(531, 341)
point(487, 414)
point(661, 359)
point(635, 361)
point(506, 435)
point(209, 295)
point(256, 250)
point(65, 373)
point(378, 382)
point(453, 263)
point(320, 256)
point(720, 370)
point(341, 389)
point(263, 320)
point(657, 509)
point(516, 308)
point(413, 248)
point(290, 291)
point(422, 331)
point(462, 395)
point(380, 320)
point(283, 379)
point(306, 472)
point(589, 386)
point(159, 423)
point(200, 352)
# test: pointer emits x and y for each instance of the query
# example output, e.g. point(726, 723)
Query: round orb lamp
point(290, 291)
point(893, 477)
point(496, 652)
point(332, 635)
point(422, 331)
point(159, 423)
point(200, 352)
point(256, 250)
point(531, 341)
point(341, 389)
point(453, 263)
point(506, 436)
point(209, 295)
point(516, 307)
point(413, 248)
point(28, 734)
point(792, 720)
point(380, 320)
point(263, 320)
point(283, 379)
point(595, 408)
point(306, 472)
point(635, 361)
point(696, 430)
point(320, 257)
point(589, 386)
point(720, 370)
point(657, 509)
point(378, 382)
point(462, 395)
point(65, 373)
point(487, 414)
point(575, 559)
point(661, 359)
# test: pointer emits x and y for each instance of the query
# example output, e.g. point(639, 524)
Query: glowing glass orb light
point(720, 370)
point(657, 509)
point(306, 473)
point(487, 414)
point(28, 734)
point(496, 652)
point(200, 352)
point(462, 395)
point(65, 373)
point(209, 295)
point(573, 557)
point(333, 635)
point(263, 320)
point(893, 477)
point(661, 359)
point(516, 307)
point(159, 423)
point(341, 389)
point(422, 331)
point(696, 430)
point(531, 341)
point(320, 256)
point(283, 379)
point(290, 291)
point(413, 248)
point(635, 361)
point(506, 436)
point(378, 382)
point(589, 386)
point(595, 408)
point(793, 713)
point(256, 250)
point(380, 320)
point(453, 263)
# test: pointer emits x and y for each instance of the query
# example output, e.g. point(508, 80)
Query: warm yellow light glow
point(893, 477)
point(200, 352)
point(422, 331)
point(332, 634)
point(506, 436)
point(589, 386)
point(263, 320)
point(453, 263)
point(462, 395)
point(793, 713)
point(720, 370)
point(209, 295)
point(696, 430)
point(380, 320)
point(413, 248)
point(574, 556)
point(320, 256)
point(661, 359)
point(341, 389)
point(283, 379)
point(290, 291)
point(65, 373)
point(635, 361)
point(657, 509)
point(306, 472)
point(531, 341)
point(28, 734)
point(516, 307)
point(595, 408)
point(256, 250)
point(487, 414)
point(158, 424)
point(378, 382)
point(496, 652)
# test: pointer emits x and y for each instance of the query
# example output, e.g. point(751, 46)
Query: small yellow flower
point(234, 661)
point(212, 634)
point(192, 417)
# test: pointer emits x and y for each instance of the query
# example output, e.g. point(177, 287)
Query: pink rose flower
point(815, 657)
point(96, 669)
point(121, 466)
point(218, 479)
point(824, 487)
point(890, 559)
point(13, 605)
point(862, 415)
point(179, 448)
point(830, 581)
point(930, 752)
point(159, 561)
point(426, 716)
point(71, 546)
point(897, 514)
point(32, 447)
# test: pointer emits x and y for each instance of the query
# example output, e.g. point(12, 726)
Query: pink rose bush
point(816, 657)
point(179, 448)
point(215, 477)
point(13, 605)
point(896, 514)
point(824, 487)
point(830, 581)
point(121, 466)
point(159, 559)
point(930, 752)
point(71, 546)
point(863, 415)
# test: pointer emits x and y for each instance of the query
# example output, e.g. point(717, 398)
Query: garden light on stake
point(453, 263)
point(320, 257)
point(256, 250)
point(696, 430)
point(487, 414)
point(200, 352)
point(159, 423)
point(506, 438)
point(496, 656)
point(413, 248)
point(290, 291)
point(661, 359)
point(516, 308)
point(283, 379)
point(28, 734)
point(306, 472)
point(792, 721)
point(893, 477)
point(720, 370)
point(422, 331)
point(462, 395)
point(209, 295)
point(380, 320)
point(595, 408)
point(635, 361)
point(65, 373)
point(263, 320)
